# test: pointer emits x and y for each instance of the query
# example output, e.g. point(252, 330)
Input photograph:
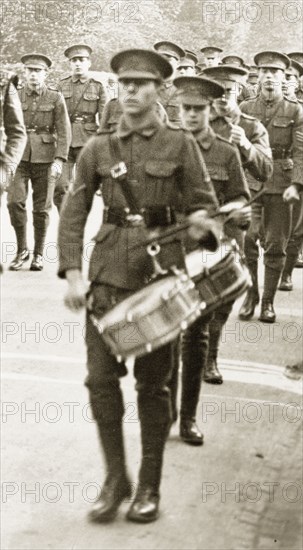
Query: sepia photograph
point(151, 249)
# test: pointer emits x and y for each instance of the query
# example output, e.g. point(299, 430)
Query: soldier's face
point(80, 65)
point(271, 79)
point(137, 96)
point(35, 77)
point(290, 85)
point(229, 100)
point(195, 117)
point(186, 71)
point(212, 61)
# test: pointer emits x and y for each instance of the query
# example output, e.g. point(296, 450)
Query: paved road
point(242, 489)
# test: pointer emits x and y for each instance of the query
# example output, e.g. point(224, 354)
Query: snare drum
point(151, 317)
point(220, 277)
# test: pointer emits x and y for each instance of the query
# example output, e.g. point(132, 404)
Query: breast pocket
point(160, 182)
point(282, 129)
point(90, 102)
point(45, 115)
point(220, 180)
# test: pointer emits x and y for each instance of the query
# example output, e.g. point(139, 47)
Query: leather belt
point(82, 118)
point(40, 130)
point(150, 216)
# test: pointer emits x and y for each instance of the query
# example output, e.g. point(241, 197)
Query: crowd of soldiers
point(181, 139)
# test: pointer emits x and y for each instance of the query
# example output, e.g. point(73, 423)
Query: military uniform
point(48, 137)
point(167, 92)
point(85, 99)
point(11, 121)
point(162, 163)
point(12, 130)
point(223, 163)
point(282, 118)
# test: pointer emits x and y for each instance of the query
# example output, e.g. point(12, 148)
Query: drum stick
point(185, 225)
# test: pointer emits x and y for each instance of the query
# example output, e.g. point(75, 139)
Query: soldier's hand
point(6, 175)
point(56, 168)
point(291, 194)
point(238, 136)
point(200, 225)
point(75, 297)
point(237, 212)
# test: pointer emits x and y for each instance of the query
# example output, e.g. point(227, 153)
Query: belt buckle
point(118, 170)
point(134, 220)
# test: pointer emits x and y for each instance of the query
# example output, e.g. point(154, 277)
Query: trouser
point(67, 176)
point(151, 371)
point(43, 190)
point(277, 220)
point(296, 237)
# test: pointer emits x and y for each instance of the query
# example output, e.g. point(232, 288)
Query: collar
point(81, 79)
point(206, 138)
point(272, 101)
point(37, 92)
point(147, 128)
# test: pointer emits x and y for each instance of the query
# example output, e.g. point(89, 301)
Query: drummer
point(144, 167)
point(224, 165)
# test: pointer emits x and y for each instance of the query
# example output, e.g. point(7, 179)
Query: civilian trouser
point(43, 190)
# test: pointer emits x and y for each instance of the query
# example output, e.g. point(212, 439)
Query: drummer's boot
point(252, 297)
point(145, 507)
point(271, 281)
point(194, 355)
point(211, 374)
point(117, 486)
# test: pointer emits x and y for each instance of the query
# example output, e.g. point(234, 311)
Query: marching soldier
point(283, 118)
point(211, 55)
point(157, 163)
point(251, 138)
point(224, 165)
point(85, 99)
point(48, 138)
point(167, 93)
point(187, 65)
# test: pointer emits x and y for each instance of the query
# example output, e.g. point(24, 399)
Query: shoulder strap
point(119, 173)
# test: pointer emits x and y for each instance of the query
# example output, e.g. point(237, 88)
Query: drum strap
point(121, 175)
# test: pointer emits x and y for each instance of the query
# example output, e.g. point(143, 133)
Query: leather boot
point(145, 507)
point(19, 260)
point(212, 375)
point(286, 283)
point(190, 432)
point(117, 485)
point(194, 356)
point(268, 314)
point(252, 297)
point(271, 281)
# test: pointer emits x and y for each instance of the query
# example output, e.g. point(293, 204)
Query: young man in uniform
point(251, 138)
point(223, 162)
point(48, 139)
point(167, 92)
point(283, 118)
point(211, 55)
point(160, 165)
point(85, 99)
